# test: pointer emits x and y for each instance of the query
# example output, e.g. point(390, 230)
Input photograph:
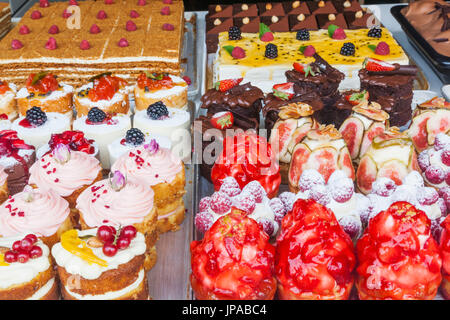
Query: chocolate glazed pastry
point(243, 101)
point(272, 105)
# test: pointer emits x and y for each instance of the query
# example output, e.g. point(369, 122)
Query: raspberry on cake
point(56, 171)
point(45, 91)
point(398, 257)
point(37, 126)
point(8, 105)
point(429, 119)
point(247, 157)
point(103, 128)
point(103, 203)
point(445, 251)
point(391, 155)
point(41, 212)
point(233, 261)
point(158, 169)
point(26, 270)
point(16, 158)
point(104, 263)
point(322, 149)
point(152, 87)
point(252, 200)
point(314, 258)
point(104, 91)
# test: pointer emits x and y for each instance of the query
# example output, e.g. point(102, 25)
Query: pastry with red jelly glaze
point(66, 172)
point(398, 257)
point(163, 171)
point(8, 105)
point(104, 91)
point(234, 261)
point(45, 91)
point(41, 212)
point(445, 252)
point(16, 158)
point(75, 140)
point(4, 193)
point(37, 126)
point(252, 200)
point(315, 257)
point(103, 128)
point(103, 203)
point(247, 157)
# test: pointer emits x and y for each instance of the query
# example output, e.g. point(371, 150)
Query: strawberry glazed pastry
point(152, 87)
point(314, 258)
point(322, 149)
point(43, 213)
point(234, 261)
point(398, 257)
point(8, 105)
point(66, 172)
point(45, 91)
point(252, 200)
point(104, 203)
point(104, 91)
point(247, 157)
point(445, 251)
point(4, 193)
point(162, 171)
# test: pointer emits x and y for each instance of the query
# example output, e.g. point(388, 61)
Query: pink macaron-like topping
point(134, 14)
point(94, 29)
point(73, 3)
point(123, 43)
point(84, 45)
point(109, 1)
point(51, 44)
point(66, 14)
point(142, 2)
point(167, 1)
point(101, 15)
point(24, 29)
point(165, 11)
point(168, 27)
point(53, 29)
point(36, 14)
point(16, 44)
point(44, 3)
point(130, 26)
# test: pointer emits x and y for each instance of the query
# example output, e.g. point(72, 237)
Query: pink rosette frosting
point(149, 168)
point(38, 211)
point(3, 176)
point(101, 204)
point(64, 178)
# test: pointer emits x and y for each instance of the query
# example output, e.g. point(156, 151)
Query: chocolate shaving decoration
point(440, 40)
point(445, 11)
point(409, 70)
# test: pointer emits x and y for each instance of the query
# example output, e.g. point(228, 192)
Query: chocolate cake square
point(325, 20)
point(220, 11)
point(247, 24)
point(296, 7)
point(269, 9)
point(347, 5)
point(241, 10)
point(214, 26)
point(301, 21)
point(276, 23)
point(360, 20)
point(317, 7)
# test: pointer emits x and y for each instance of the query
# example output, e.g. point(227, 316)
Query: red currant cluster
point(23, 250)
point(115, 240)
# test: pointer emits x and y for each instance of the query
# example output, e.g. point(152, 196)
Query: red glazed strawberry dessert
point(445, 251)
point(314, 258)
point(247, 157)
point(398, 257)
point(233, 261)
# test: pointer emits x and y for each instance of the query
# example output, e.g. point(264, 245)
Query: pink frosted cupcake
point(3, 185)
point(163, 171)
point(43, 213)
point(117, 202)
point(66, 172)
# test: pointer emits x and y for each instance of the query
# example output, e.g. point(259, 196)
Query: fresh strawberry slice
point(225, 85)
point(358, 97)
point(300, 67)
point(284, 91)
point(222, 120)
point(376, 65)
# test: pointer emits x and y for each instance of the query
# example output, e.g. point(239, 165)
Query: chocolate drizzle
point(409, 70)
point(444, 14)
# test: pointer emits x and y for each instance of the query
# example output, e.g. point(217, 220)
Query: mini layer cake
point(264, 72)
point(75, 140)
point(66, 172)
point(392, 88)
point(243, 101)
point(103, 129)
point(168, 122)
point(151, 88)
point(8, 106)
point(4, 193)
point(161, 170)
point(16, 159)
point(43, 90)
point(37, 126)
point(131, 140)
point(252, 200)
point(43, 213)
point(105, 92)
point(103, 203)
point(90, 270)
point(26, 270)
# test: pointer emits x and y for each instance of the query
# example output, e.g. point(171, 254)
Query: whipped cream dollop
point(64, 90)
point(101, 204)
point(149, 168)
point(33, 211)
point(48, 173)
